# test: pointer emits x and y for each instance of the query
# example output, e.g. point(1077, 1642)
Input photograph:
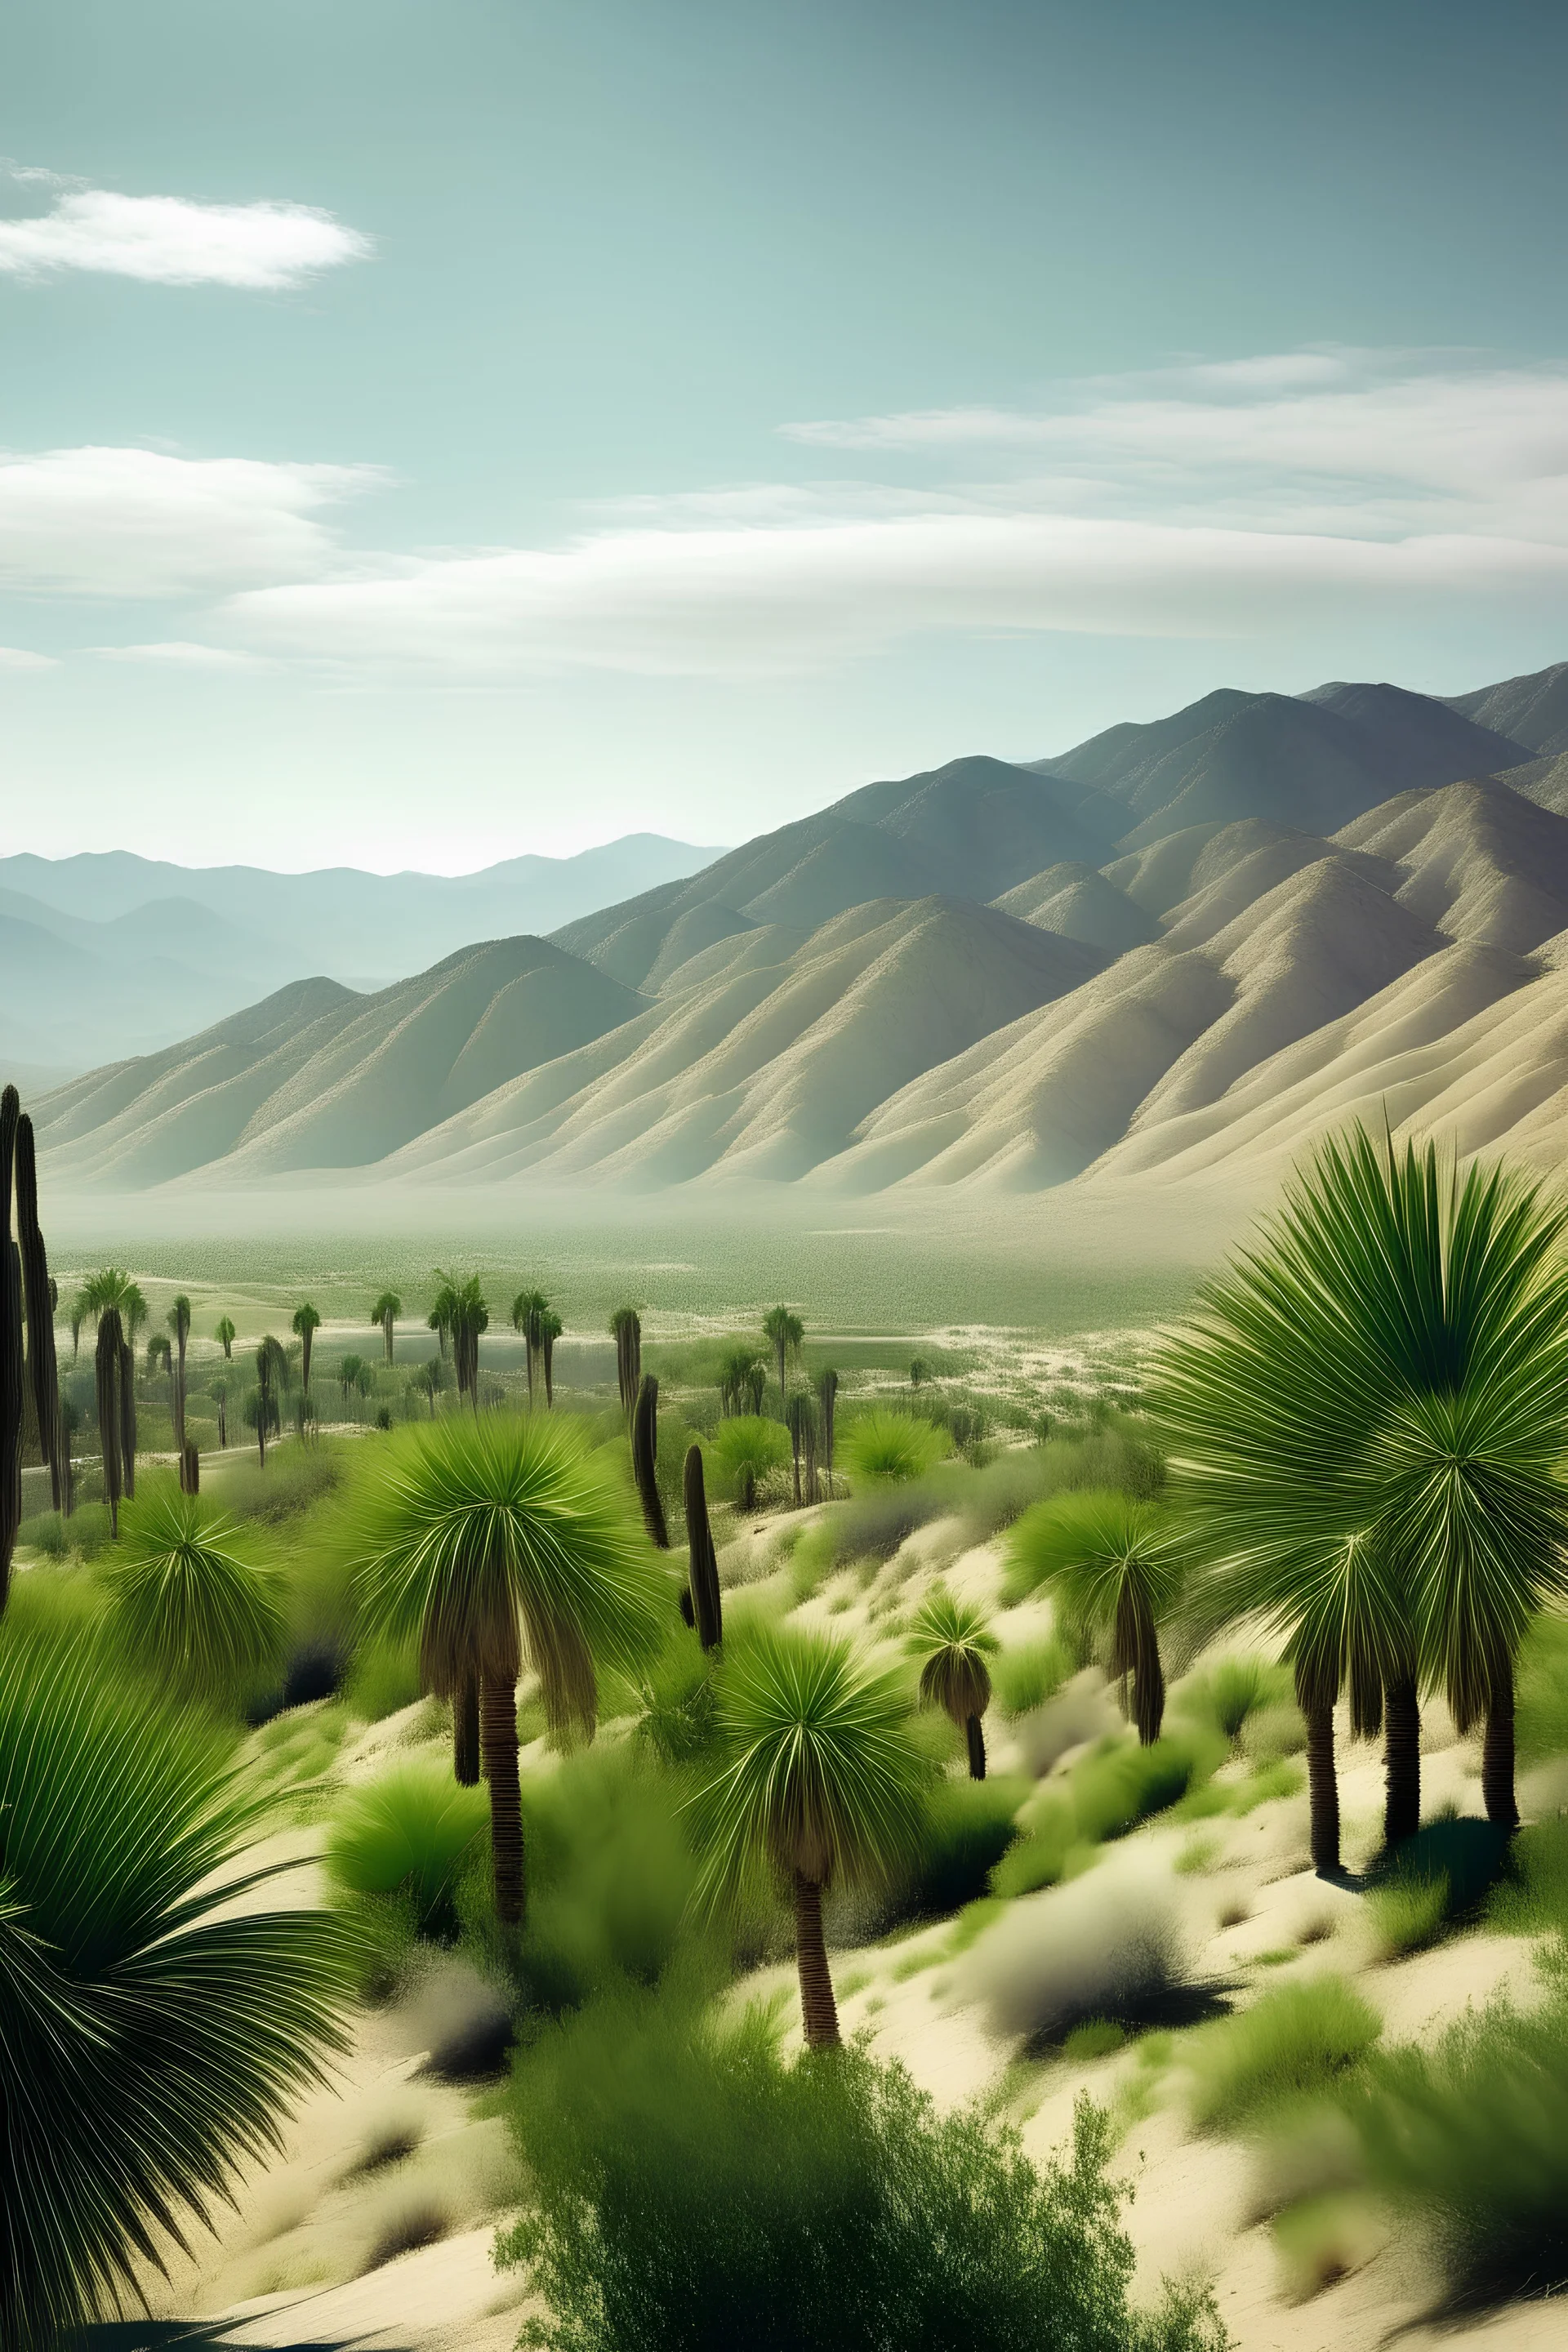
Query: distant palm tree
point(1366, 1415)
point(464, 1317)
point(385, 1312)
point(443, 1307)
point(1114, 1573)
point(112, 1288)
point(828, 1404)
point(305, 1324)
point(529, 1309)
point(191, 1597)
point(785, 1334)
point(79, 1312)
point(496, 1541)
point(349, 1371)
point(742, 1382)
point(179, 1321)
point(954, 1642)
point(431, 1377)
point(109, 1371)
point(821, 1780)
point(800, 1420)
point(271, 1378)
point(161, 1354)
point(550, 1330)
point(225, 1336)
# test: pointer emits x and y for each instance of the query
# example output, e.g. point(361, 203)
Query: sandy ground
point(309, 2256)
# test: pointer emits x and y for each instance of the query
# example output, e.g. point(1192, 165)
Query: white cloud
point(172, 241)
point(15, 658)
point(179, 653)
point(139, 522)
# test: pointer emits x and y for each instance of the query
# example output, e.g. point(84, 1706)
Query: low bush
point(1297, 2039)
point(1541, 1726)
point(1119, 1786)
point(296, 1478)
point(1441, 1876)
point(1108, 1944)
point(887, 1448)
point(970, 1826)
point(409, 1833)
point(1532, 1899)
point(1024, 1676)
point(47, 1533)
point(1232, 1693)
point(383, 1678)
point(692, 2192)
point(741, 1456)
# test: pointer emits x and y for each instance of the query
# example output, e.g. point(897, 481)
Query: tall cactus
point(108, 1365)
point(39, 1293)
point(626, 1329)
point(828, 1399)
point(706, 1607)
point(11, 1369)
point(644, 1460)
point(179, 1321)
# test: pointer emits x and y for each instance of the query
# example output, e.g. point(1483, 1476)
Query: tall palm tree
point(225, 1335)
point(157, 2031)
point(465, 1317)
point(827, 1405)
point(385, 1313)
point(494, 1543)
point(952, 1641)
point(220, 1398)
point(179, 1321)
point(443, 1307)
point(529, 1309)
point(785, 1334)
point(1114, 1573)
point(1366, 1416)
point(430, 1378)
point(305, 1324)
point(742, 1382)
point(800, 1420)
point(821, 1780)
point(191, 1596)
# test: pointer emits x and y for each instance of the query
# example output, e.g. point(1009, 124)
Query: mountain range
point(1182, 947)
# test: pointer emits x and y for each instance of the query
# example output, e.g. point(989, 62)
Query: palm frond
point(191, 1594)
point(952, 1639)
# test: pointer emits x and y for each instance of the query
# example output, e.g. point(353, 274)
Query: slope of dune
point(1476, 860)
point(1081, 903)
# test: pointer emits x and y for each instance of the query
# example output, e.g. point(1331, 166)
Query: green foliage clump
point(694, 2194)
point(887, 1448)
point(191, 1598)
point(1542, 1719)
point(383, 1677)
point(1025, 1675)
point(1297, 2039)
point(970, 1826)
point(1434, 1879)
point(407, 1834)
point(1533, 1897)
point(745, 1452)
point(1233, 1692)
point(1105, 1795)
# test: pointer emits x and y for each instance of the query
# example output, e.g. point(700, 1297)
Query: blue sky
point(432, 433)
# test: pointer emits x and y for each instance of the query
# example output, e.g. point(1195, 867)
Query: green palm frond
point(491, 1538)
point(952, 1641)
point(1115, 1568)
point(191, 1595)
point(822, 1776)
point(149, 2044)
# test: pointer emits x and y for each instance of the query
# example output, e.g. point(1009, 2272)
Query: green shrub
point(742, 1454)
point(1024, 1676)
point(1532, 1900)
point(409, 1835)
point(1231, 1693)
point(383, 1678)
point(887, 1448)
point(1107, 1944)
point(47, 1533)
point(970, 1826)
point(296, 1478)
point(1442, 1875)
point(1407, 1915)
point(1117, 1787)
point(1541, 1724)
point(1298, 2039)
point(694, 2193)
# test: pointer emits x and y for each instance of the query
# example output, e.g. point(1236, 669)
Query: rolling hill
point(1177, 950)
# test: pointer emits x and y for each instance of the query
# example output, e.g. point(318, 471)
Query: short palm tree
point(384, 1315)
point(430, 1379)
point(349, 1369)
point(626, 1330)
point(225, 1335)
point(112, 1288)
point(495, 1542)
point(305, 1323)
point(1366, 1416)
point(161, 1354)
point(785, 1335)
point(742, 1382)
point(191, 1596)
point(952, 1641)
point(1114, 1573)
point(745, 1452)
point(822, 1783)
point(155, 2033)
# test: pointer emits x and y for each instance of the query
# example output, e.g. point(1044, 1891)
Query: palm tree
point(112, 1287)
point(79, 1311)
point(262, 1409)
point(498, 1541)
point(800, 1420)
point(464, 1317)
point(157, 2029)
point(443, 1307)
point(1366, 1416)
point(742, 1382)
point(161, 1356)
point(431, 1377)
point(225, 1335)
point(626, 1329)
point(746, 1451)
point(109, 1368)
point(954, 1642)
point(785, 1334)
point(349, 1371)
point(191, 1598)
point(529, 1309)
point(821, 1781)
point(385, 1312)
point(550, 1330)
point(179, 1321)
point(1114, 1572)
point(305, 1324)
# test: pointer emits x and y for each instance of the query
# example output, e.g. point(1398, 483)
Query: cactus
point(626, 1329)
point(706, 1607)
point(828, 1398)
point(12, 1371)
point(644, 1460)
point(38, 1292)
point(108, 1365)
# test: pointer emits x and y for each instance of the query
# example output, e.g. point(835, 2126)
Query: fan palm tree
point(822, 1782)
point(529, 1309)
point(305, 1324)
point(497, 1542)
point(464, 1317)
point(1114, 1573)
point(953, 1641)
point(112, 1288)
point(430, 1379)
point(1365, 1415)
point(179, 1322)
point(800, 1420)
point(385, 1313)
point(156, 2031)
point(745, 1452)
point(160, 1356)
point(225, 1335)
point(785, 1334)
point(109, 1371)
point(190, 1596)
point(742, 1382)
point(349, 1369)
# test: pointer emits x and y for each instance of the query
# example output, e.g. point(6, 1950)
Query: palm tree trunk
point(466, 1730)
point(784, 1399)
point(127, 1421)
point(818, 2010)
point(1323, 1791)
point(549, 1376)
point(497, 1747)
point(975, 1736)
point(1497, 1753)
point(1402, 1760)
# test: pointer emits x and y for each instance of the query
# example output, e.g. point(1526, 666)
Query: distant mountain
point(138, 953)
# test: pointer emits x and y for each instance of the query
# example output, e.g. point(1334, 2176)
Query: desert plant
point(1026, 1673)
point(225, 1335)
point(1107, 1945)
point(645, 1461)
point(888, 1447)
point(493, 1540)
point(156, 2034)
point(384, 1318)
point(707, 1609)
point(1114, 1573)
point(305, 1323)
point(626, 1329)
point(550, 1330)
point(191, 1595)
point(822, 1783)
point(407, 1834)
point(800, 1420)
point(742, 1382)
point(785, 1335)
point(108, 1365)
point(350, 1367)
point(828, 1407)
point(38, 1302)
point(746, 1451)
point(430, 1379)
point(161, 1356)
point(529, 1309)
point(179, 1322)
point(1298, 2039)
point(219, 1394)
point(954, 1643)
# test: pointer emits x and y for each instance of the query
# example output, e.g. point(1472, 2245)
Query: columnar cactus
point(39, 1295)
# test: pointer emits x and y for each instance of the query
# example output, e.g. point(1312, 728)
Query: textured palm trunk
point(190, 1470)
point(550, 1376)
point(39, 1298)
point(498, 1748)
point(305, 1339)
point(1401, 1760)
point(12, 1368)
point(818, 2010)
point(1497, 1753)
point(128, 1421)
point(106, 1367)
point(466, 1730)
point(784, 1393)
point(975, 1736)
point(1323, 1791)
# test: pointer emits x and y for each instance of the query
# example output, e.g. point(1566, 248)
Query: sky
point(430, 433)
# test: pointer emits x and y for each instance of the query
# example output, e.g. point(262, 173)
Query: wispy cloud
point(170, 240)
point(18, 658)
point(179, 653)
point(140, 522)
